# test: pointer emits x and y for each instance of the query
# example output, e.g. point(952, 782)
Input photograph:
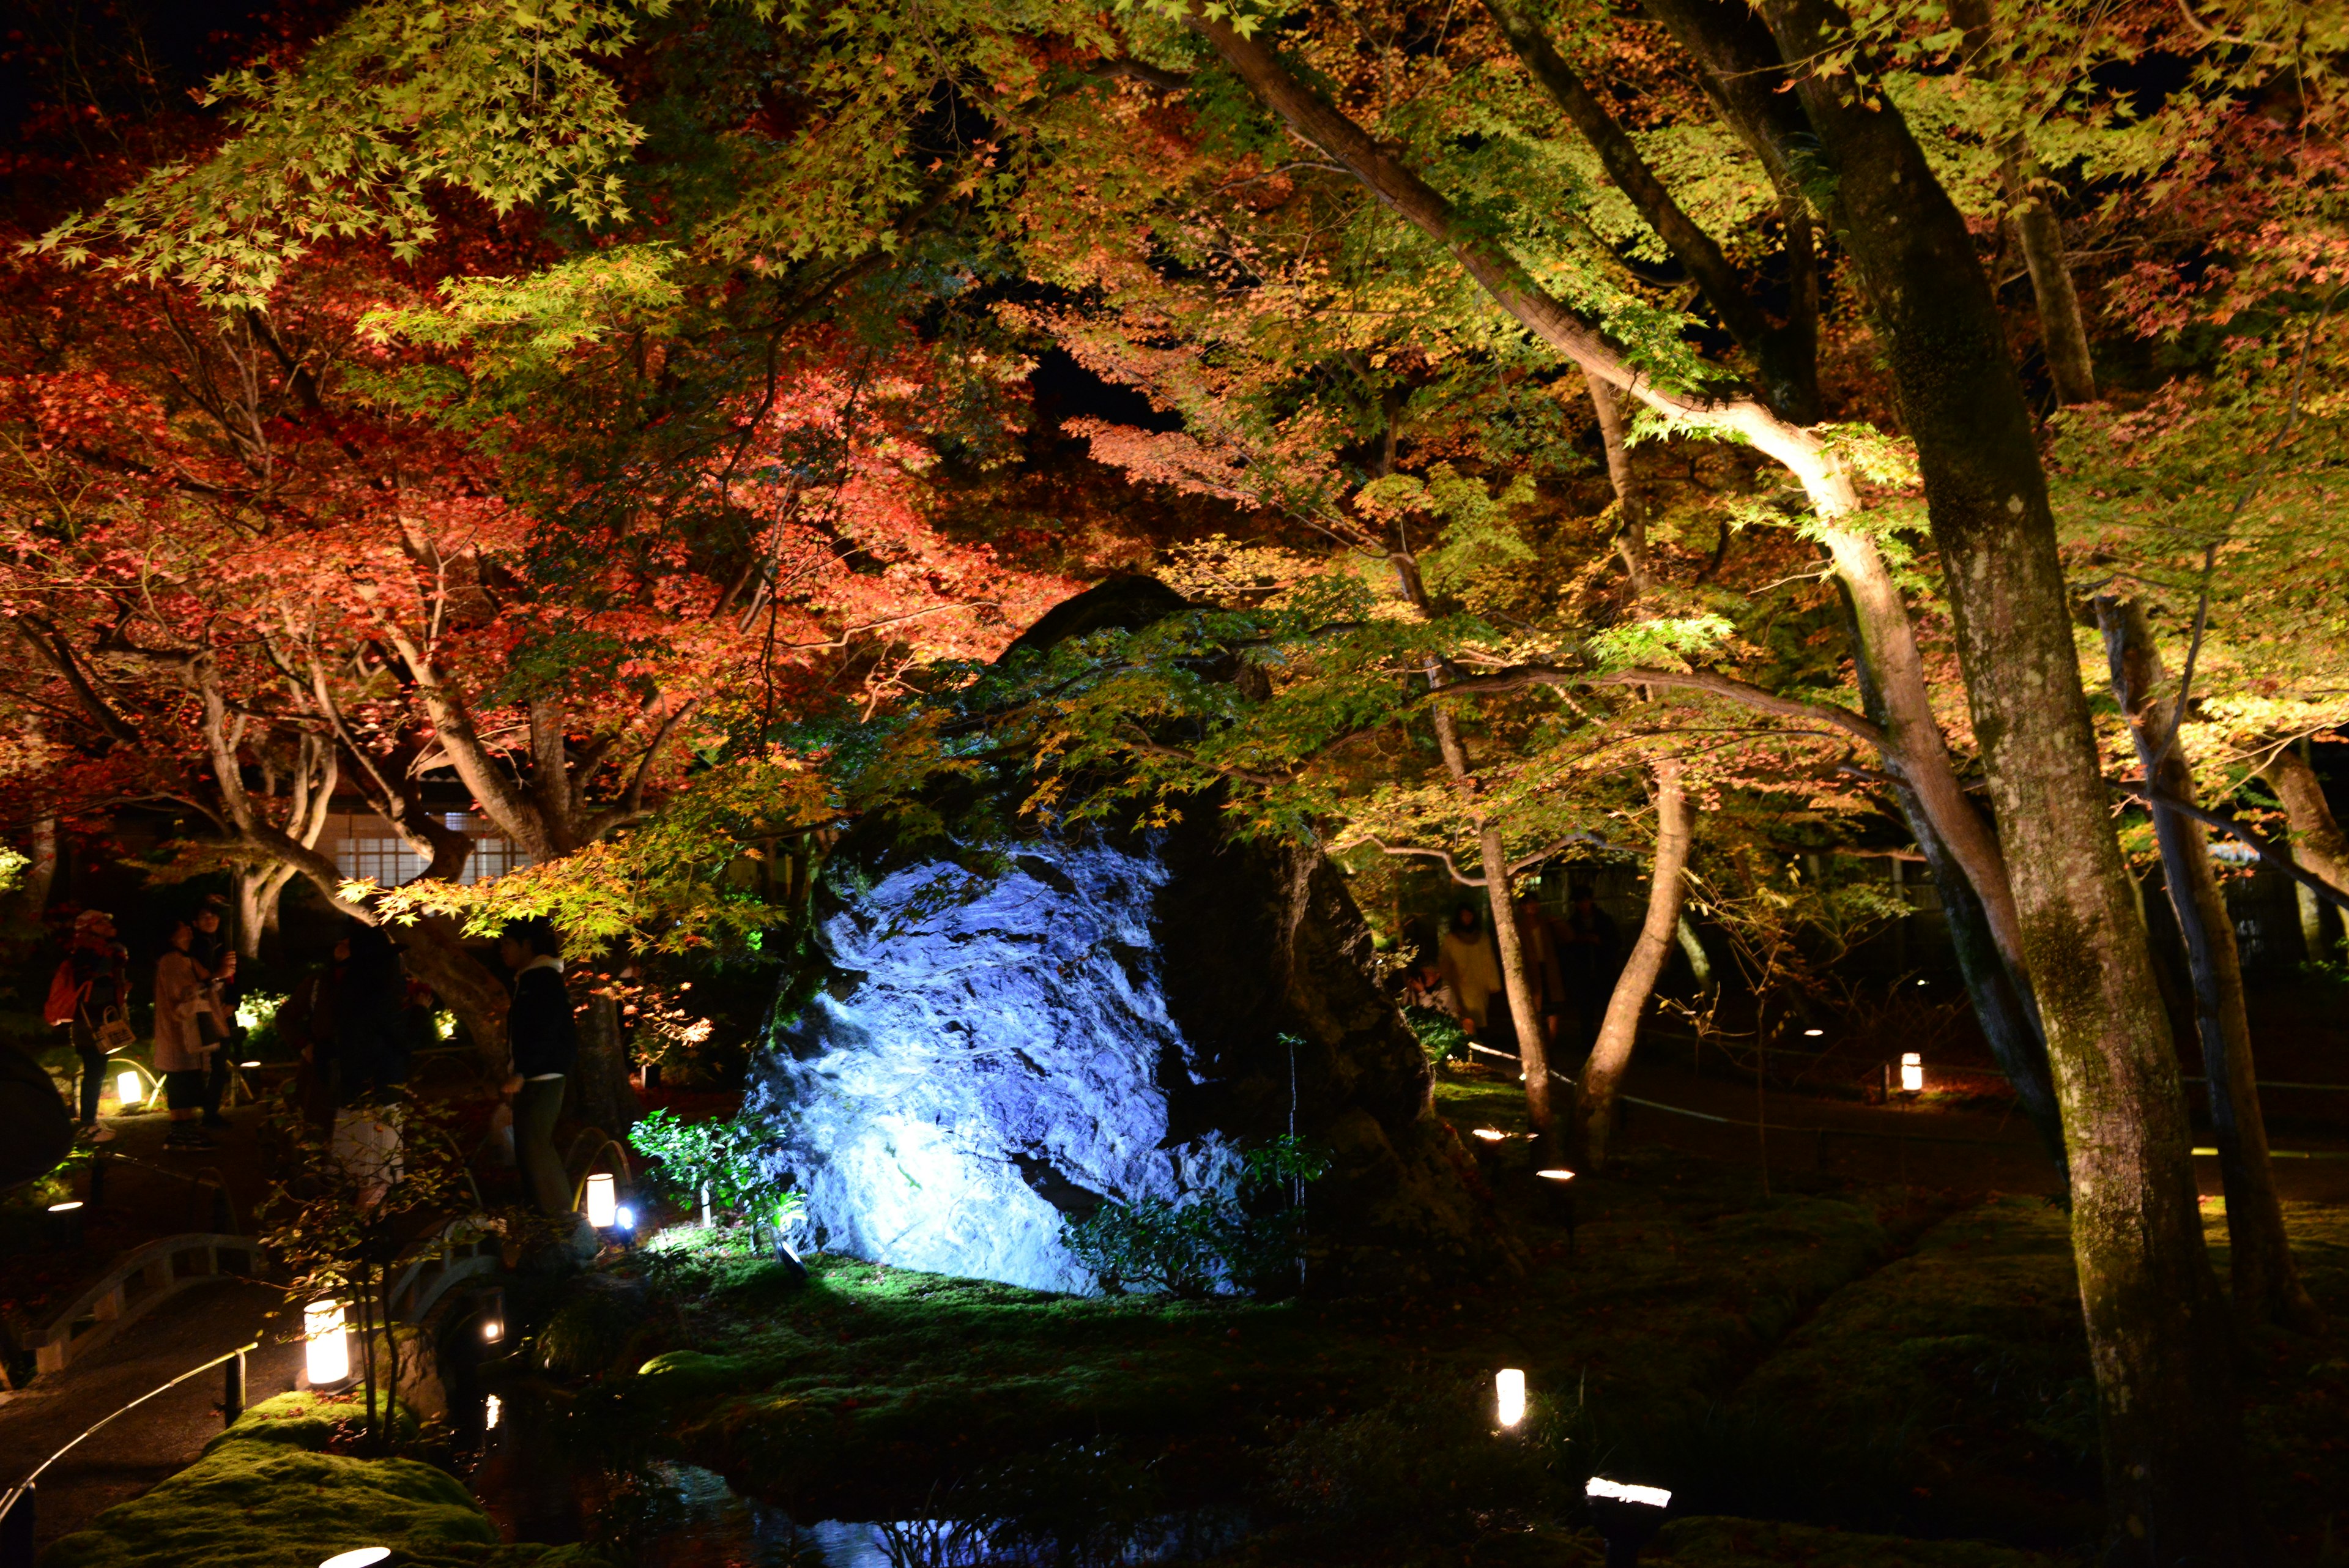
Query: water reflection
point(709, 1526)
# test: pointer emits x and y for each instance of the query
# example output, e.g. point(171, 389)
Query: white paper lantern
point(326, 1346)
point(1912, 1073)
point(603, 1202)
point(1509, 1394)
point(128, 1089)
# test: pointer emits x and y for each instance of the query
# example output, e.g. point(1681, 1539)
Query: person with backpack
point(87, 997)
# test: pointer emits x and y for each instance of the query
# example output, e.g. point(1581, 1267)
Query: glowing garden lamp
point(1558, 1176)
point(493, 1316)
point(327, 1346)
point(127, 1088)
point(365, 1557)
point(1509, 1394)
point(1912, 1073)
point(603, 1201)
point(492, 1411)
point(64, 1224)
point(624, 1218)
point(1489, 1135)
point(1627, 1516)
point(1813, 1033)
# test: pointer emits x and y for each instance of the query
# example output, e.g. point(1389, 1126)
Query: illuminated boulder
point(1019, 1028)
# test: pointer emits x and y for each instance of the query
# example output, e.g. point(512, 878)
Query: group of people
point(353, 1022)
point(195, 1016)
point(1570, 962)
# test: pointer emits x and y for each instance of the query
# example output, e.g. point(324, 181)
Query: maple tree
point(1374, 264)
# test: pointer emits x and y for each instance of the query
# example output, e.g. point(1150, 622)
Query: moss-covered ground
point(1848, 1375)
point(266, 1495)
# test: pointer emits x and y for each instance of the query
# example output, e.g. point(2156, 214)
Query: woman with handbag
point(97, 978)
point(181, 997)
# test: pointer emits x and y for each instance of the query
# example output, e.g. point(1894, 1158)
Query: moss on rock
point(262, 1496)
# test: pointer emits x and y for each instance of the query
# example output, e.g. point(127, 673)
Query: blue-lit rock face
point(1016, 1034)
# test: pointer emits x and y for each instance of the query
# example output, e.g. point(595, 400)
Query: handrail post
point(16, 1532)
point(232, 1390)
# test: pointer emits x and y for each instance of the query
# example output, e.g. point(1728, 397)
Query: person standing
point(543, 1039)
point(216, 956)
point(1539, 939)
point(96, 975)
point(1469, 967)
point(1588, 952)
point(371, 1046)
point(180, 1053)
point(306, 1023)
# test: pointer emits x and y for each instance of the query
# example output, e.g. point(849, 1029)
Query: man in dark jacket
point(542, 1040)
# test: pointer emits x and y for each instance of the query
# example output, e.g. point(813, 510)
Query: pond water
point(715, 1527)
point(1072, 1506)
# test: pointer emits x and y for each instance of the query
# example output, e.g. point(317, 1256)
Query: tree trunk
point(40, 870)
point(1700, 961)
point(2062, 335)
point(1632, 543)
point(2267, 1285)
point(2174, 1481)
point(1618, 1032)
point(601, 1094)
point(436, 951)
point(1993, 976)
point(1524, 1002)
point(2317, 842)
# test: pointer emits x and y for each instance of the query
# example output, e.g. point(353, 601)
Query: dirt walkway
point(162, 1435)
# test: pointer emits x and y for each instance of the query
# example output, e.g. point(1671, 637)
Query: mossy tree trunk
point(1603, 1079)
point(2173, 1462)
point(2267, 1284)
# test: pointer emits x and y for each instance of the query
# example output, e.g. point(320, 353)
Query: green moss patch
point(1713, 1542)
point(262, 1497)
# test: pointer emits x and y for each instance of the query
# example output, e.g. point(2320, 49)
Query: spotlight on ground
point(1627, 1517)
point(365, 1557)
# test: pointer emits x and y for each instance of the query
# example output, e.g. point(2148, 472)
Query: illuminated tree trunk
point(2318, 844)
point(1601, 1080)
point(2267, 1285)
point(1632, 543)
point(1993, 979)
point(1524, 1002)
point(2063, 336)
point(600, 1091)
point(2156, 1325)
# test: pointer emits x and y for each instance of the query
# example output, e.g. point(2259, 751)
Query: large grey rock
point(1018, 1027)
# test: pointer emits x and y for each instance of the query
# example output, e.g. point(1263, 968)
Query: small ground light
point(1509, 1394)
point(624, 1218)
point(249, 1064)
point(128, 1090)
point(326, 1347)
point(65, 1223)
point(365, 1557)
point(602, 1200)
point(1912, 1073)
point(1555, 1174)
point(1627, 1516)
point(493, 1315)
point(491, 1413)
point(1814, 1034)
point(1489, 1135)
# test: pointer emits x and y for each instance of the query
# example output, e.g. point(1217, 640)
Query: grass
point(1800, 1370)
point(262, 1496)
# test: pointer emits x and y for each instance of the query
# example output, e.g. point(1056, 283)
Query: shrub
point(1440, 1034)
point(1251, 1238)
point(716, 1163)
